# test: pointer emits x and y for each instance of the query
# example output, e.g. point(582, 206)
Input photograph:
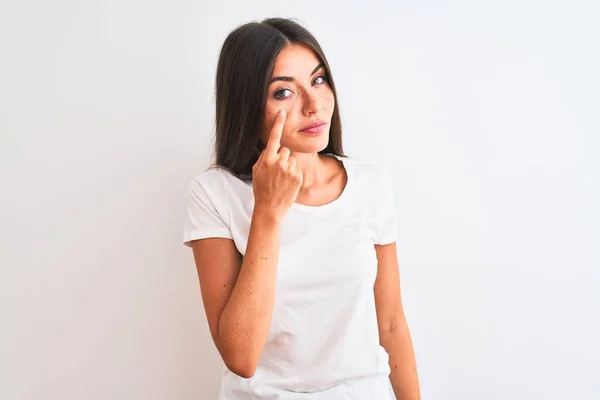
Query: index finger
point(274, 142)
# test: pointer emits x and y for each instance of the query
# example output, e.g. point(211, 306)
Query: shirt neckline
point(333, 203)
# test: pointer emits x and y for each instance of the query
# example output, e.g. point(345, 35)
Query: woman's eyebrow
point(291, 79)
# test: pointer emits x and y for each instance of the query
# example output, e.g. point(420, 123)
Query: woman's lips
point(315, 129)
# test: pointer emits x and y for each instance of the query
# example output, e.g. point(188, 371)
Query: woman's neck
point(316, 169)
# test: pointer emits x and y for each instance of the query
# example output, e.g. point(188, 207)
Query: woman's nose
point(311, 103)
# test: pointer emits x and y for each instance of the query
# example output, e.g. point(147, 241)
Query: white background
point(485, 112)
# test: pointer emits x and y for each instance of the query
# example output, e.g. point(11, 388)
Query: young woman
point(294, 242)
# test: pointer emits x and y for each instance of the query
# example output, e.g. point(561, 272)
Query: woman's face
point(299, 85)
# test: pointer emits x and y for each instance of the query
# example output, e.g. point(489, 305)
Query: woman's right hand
point(276, 180)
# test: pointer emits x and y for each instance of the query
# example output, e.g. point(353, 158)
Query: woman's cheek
point(270, 116)
point(330, 101)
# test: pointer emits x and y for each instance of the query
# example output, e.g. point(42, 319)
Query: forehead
point(295, 60)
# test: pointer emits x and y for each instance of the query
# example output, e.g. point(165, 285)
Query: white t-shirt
point(324, 342)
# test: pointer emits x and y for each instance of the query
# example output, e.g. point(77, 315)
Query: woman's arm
point(239, 296)
point(394, 334)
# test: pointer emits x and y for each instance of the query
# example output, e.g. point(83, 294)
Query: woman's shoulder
point(366, 168)
point(213, 175)
point(209, 181)
point(217, 181)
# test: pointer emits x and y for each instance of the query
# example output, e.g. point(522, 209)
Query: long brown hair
point(245, 66)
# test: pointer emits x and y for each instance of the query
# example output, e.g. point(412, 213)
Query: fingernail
point(282, 113)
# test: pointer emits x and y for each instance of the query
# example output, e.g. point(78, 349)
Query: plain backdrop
point(485, 112)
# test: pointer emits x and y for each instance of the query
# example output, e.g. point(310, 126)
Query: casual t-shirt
point(323, 342)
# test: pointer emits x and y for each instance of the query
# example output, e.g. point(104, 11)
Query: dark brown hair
point(245, 66)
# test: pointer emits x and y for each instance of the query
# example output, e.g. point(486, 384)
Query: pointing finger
point(274, 142)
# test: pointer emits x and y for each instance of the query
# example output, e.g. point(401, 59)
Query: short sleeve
point(203, 219)
point(387, 214)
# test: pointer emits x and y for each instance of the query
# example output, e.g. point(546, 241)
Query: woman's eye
point(322, 78)
point(280, 94)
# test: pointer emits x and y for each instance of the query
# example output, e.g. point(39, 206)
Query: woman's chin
point(308, 143)
point(309, 148)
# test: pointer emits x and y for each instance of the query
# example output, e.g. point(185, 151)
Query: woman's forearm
point(404, 376)
point(246, 319)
